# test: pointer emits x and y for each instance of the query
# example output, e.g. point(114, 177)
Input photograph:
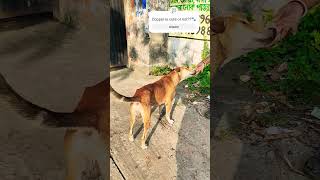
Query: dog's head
point(184, 72)
point(235, 36)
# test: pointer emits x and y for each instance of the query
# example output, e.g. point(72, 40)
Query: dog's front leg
point(168, 112)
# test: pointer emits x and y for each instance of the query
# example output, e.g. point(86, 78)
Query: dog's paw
point(171, 121)
point(131, 138)
point(143, 146)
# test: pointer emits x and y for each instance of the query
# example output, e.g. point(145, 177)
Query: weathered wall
point(12, 8)
point(137, 37)
point(152, 49)
point(184, 51)
point(82, 13)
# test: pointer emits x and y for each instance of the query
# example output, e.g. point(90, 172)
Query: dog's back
point(157, 92)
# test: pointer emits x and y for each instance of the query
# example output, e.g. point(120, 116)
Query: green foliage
point(160, 70)
point(69, 19)
point(301, 52)
point(205, 51)
point(200, 82)
point(267, 16)
point(249, 16)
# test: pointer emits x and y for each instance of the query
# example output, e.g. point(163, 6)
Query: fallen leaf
point(282, 67)
point(275, 76)
point(316, 112)
point(274, 133)
point(245, 78)
point(195, 102)
point(277, 130)
point(262, 107)
point(247, 111)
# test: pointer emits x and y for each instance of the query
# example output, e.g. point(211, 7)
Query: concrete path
point(177, 152)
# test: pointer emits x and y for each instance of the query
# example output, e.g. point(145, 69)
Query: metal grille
point(118, 45)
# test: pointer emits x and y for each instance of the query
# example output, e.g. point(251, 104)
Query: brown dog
point(87, 137)
point(157, 93)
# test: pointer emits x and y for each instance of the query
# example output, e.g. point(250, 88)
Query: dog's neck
point(174, 75)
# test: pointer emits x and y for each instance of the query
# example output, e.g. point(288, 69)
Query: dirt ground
point(178, 152)
point(240, 146)
point(48, 64)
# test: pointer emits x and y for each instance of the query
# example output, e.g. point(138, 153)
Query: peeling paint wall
point(137, 37)
point(158, 41)
point(153, 49)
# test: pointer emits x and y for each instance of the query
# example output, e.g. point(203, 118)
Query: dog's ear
point(218, 24)
point(177, 69)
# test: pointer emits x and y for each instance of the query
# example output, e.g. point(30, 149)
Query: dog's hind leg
point(146, 113)
point(160, 111)
point(133, 109)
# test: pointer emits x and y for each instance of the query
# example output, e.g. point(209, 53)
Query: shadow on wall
point(140, 41)
point(159, 51)
point(185, 50)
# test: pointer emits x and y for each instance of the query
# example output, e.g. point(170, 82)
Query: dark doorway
point(119, 55)
point(14, 8)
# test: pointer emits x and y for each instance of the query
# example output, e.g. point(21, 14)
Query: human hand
point(200, 67)
point(287, 20)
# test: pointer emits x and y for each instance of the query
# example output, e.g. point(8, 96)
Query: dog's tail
point(41, 115)
point(122, 97)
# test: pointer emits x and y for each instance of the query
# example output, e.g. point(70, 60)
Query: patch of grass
point(228, 133)
point(160, 70)
point(205, 51)
point(301, 83)
point(225, 134)
point(200, 82)
point(69, 19)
